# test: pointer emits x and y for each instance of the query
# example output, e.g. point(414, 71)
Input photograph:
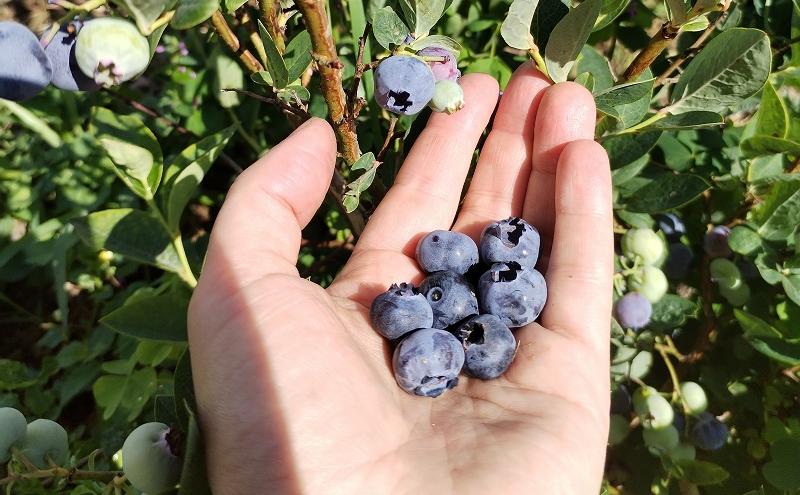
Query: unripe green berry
point(111, 51)
point(618, 429)
point(660, 441)
point(148, 460)
point(650, 282)
point(644, 244)
point(694, 397)
point(45, 439)
point(654, 411)
point(448, 97)
point(12, 431)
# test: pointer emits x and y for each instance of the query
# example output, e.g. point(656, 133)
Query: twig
point(654, 47)
point(300, 112)
point(389, 136)
point(352, 96)
point(692, 50)
point(269, 16)
point(330, 71)
point(788, 45)
point(229, 37)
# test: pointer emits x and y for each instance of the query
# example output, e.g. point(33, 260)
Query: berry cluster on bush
point(79, 56)
point(446, 326)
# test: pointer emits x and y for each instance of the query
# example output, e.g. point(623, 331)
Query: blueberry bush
point(124, 122)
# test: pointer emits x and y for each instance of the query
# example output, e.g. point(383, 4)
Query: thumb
point(257, 231)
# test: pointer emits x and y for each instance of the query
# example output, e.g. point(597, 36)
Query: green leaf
point(437, 40)
point(186, 172)
point(426, 14)
point(696, 119)
point(194, 478)
point(768, 145)
point(158, 317)
point(516, 27)
point(597, 65)
point(277, 67)
point(298, 56)
point(744, 240)
point(766, 339)
point(610, 10)
point(791, 285)
point(783, 220)
point(667, 192)
point(354, 189)
point(621, 175)
point(15, 375)
point(228, 75)
point(641, 365)
point(32, 122)
point(132, 148)
point(164, 409)
point(703, 473)
point(699, 23)
point(232, 5)
point(624, 94)
point(772, 117)
point(144, 12)
point(783, 471)
point(732, 67)
point(126, 392)
point(548, 14)
point(183, 387)
point(388, 28)
point(677, 11)
point(568, 38)
point(631, 113)
point(131, 233)
point(672, 311)
point(190, 13)
point(625, 148)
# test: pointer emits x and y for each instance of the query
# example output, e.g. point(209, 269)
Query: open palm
point(295, 391)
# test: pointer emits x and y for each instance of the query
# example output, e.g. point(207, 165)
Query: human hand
point(295, 390)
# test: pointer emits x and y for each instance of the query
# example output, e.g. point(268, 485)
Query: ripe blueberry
point(24, 68)
point(400, 310)
point(427, 362)
point(671, 225)
point(620, 400)
point(709, 433)
point(678, 261)
point(510, 240)
point(148, 459)
point(715, 242)
point(61, 52)
point(633, 311)
point(444, 250)
point(450, 296)
point(489, 346)
point(403, 84)
point(513, 293)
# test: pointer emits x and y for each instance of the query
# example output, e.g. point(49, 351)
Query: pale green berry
point(12, 431)
point(45, 441)
point(618, 429)
point(683, 452)
point(694, 397)
point(644, 244)
point(111, 51)
point(148, 460)
point(654, 411)
point(650, 282)
point(448, 97)
point(662, 440)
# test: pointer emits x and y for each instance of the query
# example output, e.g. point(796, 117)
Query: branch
point(692, 49)
point(229, 37)
point(654, 47)
point(269, 16)
point(330, 71)
point(352, 95)
point(303, 114)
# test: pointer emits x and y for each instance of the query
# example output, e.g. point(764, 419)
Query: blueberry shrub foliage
point(124, 122)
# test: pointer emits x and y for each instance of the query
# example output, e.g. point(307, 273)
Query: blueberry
point(645, 245)
point(660, 441)
point(427, 362)
point(678, 261)
point(620, 400)
point(45, 441)
point(443, 70)
point(510, 240)
point(715, 242)
point(650, 282)
point(61, 52)
point(444, 250)
point(12, 431)
point(709, 433)
point(448, 97)
point(513, 293)
point(111, 51)
point(694, 397)
point(671, 225)
point(400, 310)
point(489, 346)
point(24, 68)
point(403, 84)
point(450, 296)
point(633, 311)
point(679, 421)
point(148, 459)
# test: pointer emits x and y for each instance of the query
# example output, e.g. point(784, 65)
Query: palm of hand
point(294, 388)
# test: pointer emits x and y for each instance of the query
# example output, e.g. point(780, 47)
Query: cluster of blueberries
point(658, 259)
point(150, 461)
point(405, 82)
point(79, 56)
point(443, 328)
